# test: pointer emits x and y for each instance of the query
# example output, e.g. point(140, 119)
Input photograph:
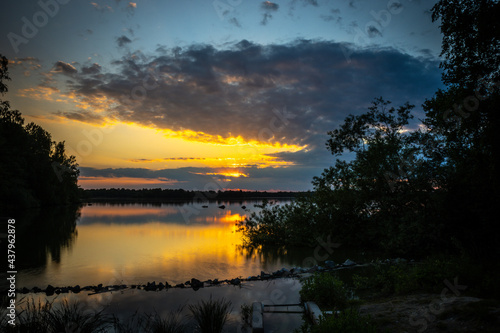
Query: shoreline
point(294, 272)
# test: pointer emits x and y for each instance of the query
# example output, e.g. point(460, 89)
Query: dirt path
point(433, 313)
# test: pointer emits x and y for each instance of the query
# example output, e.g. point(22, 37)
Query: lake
point(138, 243)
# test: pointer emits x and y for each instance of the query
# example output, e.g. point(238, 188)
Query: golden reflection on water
point(140, 243)
point(123, 251)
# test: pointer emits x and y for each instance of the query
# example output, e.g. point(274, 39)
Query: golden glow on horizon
point(118, 182)
point(99, 141)
point(226, 173)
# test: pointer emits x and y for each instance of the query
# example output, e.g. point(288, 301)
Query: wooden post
point(312, 309)
point(257, 317)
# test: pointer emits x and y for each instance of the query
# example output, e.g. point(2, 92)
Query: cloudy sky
point(202, 94)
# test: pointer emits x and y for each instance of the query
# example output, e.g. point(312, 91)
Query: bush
point(325, 290)
point(290, 224)
point(404, 278)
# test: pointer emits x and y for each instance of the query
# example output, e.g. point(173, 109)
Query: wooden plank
point(282, 311)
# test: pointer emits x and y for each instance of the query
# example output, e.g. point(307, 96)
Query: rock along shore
point(294, 272)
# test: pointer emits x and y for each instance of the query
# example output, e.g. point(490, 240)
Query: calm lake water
point(137, 243)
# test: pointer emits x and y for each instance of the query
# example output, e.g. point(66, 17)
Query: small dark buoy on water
point(222, 207)
point(244, 207)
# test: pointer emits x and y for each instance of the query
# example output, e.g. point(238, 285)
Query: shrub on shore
point(326, 290)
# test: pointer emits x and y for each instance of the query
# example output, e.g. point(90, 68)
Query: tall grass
point(211, 316)
point(71, 316)
point(172, 323)
point(133, 324)
point(47, 317)
point(34, 317)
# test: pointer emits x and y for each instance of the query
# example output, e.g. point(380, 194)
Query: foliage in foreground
point(347, 321)
point(65, 316)
point(326, 290)
point(211, 315)
point(430, 275)
point(172, 323)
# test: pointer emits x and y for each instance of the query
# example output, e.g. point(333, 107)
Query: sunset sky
point(224, 94)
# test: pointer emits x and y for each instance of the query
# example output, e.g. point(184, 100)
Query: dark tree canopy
point(34, 170)
point(471, 40)
point(415, 192)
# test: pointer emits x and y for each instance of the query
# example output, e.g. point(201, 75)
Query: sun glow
point(225, 173)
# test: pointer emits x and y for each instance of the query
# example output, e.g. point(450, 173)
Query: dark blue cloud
point(190, 178)
point(288, 93)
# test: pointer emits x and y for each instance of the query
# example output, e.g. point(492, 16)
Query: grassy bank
point(441, 292)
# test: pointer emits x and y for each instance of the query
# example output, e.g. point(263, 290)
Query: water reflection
point(55, 231)
point(44, 235)
point(140, 243)
point(137, 243)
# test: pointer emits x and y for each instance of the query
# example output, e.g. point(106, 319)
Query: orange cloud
point(41, 93)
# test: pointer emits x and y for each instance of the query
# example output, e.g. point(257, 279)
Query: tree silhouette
point(465, 117)
point(34, 170)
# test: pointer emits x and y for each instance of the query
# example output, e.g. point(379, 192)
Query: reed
point(211, 315)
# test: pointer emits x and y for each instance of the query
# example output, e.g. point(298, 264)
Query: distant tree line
point(34, 170)
point(181, 195)
point(414, 192)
